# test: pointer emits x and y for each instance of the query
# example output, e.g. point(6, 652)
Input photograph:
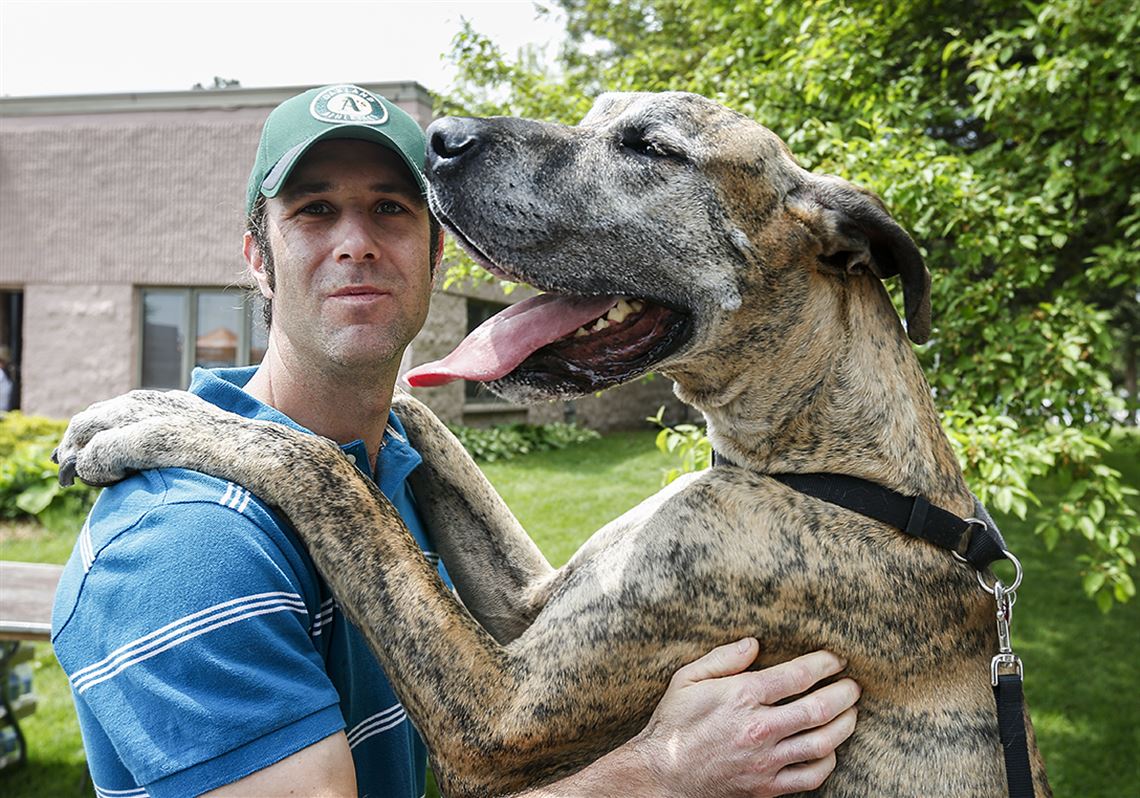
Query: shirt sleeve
point(189, 644)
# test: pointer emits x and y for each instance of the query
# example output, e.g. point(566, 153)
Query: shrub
point(29, 480)
point(687, 442)
point(504, 441)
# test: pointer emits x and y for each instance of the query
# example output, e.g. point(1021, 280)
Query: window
point(187, 327)
point(11, 344)
point(478, 312)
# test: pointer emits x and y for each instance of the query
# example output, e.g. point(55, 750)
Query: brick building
point(120, 254)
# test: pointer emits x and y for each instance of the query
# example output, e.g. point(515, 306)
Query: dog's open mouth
point(559, 344)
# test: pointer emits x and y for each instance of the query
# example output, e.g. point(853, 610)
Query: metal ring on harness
point(1005, 590)
point(989, 589)
point(972, 522)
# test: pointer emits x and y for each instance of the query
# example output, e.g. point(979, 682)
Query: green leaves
point(34, 499)
point(29, 484)
point(686, 441)
point(506, 441)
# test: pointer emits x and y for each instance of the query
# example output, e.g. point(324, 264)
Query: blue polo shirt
point(200, 642)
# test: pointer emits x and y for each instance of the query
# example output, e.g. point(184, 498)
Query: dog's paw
point(102, 461)
point(114, 438)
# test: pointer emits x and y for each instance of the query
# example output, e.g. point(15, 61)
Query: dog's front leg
point(496, 567)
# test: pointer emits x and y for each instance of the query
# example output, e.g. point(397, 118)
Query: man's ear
point(858, 234)
point(256, 264)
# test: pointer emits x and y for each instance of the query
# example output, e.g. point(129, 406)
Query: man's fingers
point(817, 708)
point(796, 676)
point(805, 777)
point(817, 743)
point(721, 661)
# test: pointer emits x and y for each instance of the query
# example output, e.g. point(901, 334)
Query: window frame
point(190, 320)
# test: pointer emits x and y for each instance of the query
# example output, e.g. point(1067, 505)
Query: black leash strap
point(1009, 698)
point(978, 537)
point(1011, 724)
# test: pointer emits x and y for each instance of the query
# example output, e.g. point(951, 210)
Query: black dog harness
point(978, 537)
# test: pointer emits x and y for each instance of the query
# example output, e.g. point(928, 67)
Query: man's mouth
point(359, 293)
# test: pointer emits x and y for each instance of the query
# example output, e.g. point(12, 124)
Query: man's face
point(349, 237)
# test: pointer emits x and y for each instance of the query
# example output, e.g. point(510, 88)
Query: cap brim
point(281, 170)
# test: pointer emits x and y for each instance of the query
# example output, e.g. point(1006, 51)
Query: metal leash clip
point(1005, 599)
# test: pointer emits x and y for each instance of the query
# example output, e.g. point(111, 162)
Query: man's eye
point(317, 208)
point(388, 206)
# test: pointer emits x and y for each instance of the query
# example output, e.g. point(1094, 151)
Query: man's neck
point(343, 406)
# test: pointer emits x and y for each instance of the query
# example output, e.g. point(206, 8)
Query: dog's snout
point(450, 139)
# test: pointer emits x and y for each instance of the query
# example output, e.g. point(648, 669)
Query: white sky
point(58, 47)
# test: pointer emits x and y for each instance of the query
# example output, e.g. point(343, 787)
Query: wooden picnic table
point(26, 593)
point(27, 590)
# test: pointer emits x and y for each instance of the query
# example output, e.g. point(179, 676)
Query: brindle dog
point(753, 284)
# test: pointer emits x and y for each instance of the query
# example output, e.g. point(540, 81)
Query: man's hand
point(715, 733)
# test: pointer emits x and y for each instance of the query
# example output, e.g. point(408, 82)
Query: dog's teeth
point(600, 324)
point(581, 332)
point(618, 313)
point(636, 305)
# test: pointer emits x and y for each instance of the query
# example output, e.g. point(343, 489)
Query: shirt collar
point(224, 388)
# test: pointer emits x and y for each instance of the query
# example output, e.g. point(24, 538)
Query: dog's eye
point(636, 141)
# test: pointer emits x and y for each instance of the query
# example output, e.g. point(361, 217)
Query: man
point(7, 387)
point(204, 651)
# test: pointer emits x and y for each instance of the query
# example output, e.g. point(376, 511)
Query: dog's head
point(649, 226)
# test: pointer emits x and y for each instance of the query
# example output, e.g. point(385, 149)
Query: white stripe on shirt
point(324, 617)
point(236, 497)
point(86, 550)
point(375, 724)
point(185, 629)
point(103, 792)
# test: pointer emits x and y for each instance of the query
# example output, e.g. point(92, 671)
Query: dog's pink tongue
point(499, 344)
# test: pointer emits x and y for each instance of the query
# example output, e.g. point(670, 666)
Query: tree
point(1002, 135)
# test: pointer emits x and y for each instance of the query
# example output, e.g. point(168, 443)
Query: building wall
point(627, 406)
point(79, 343)
point(123, 200)
point(446, 323)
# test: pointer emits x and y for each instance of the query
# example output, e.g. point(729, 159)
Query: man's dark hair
point(257, 225)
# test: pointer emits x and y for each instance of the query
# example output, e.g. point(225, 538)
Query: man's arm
point(712, 731)
point(718, 733)
point(192, 663)
point(323, 769)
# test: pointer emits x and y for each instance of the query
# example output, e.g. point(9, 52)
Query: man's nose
point(356, 239)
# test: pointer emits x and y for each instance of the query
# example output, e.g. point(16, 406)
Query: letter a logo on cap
point(348, 104)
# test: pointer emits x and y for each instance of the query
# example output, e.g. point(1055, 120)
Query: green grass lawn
point(1082, 668)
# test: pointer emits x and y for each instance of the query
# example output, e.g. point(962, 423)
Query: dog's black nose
point(451, 139)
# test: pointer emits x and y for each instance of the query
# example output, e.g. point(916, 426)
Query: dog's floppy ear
point(858, 233)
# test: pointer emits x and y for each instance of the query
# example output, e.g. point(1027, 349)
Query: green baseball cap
point(342, 111)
